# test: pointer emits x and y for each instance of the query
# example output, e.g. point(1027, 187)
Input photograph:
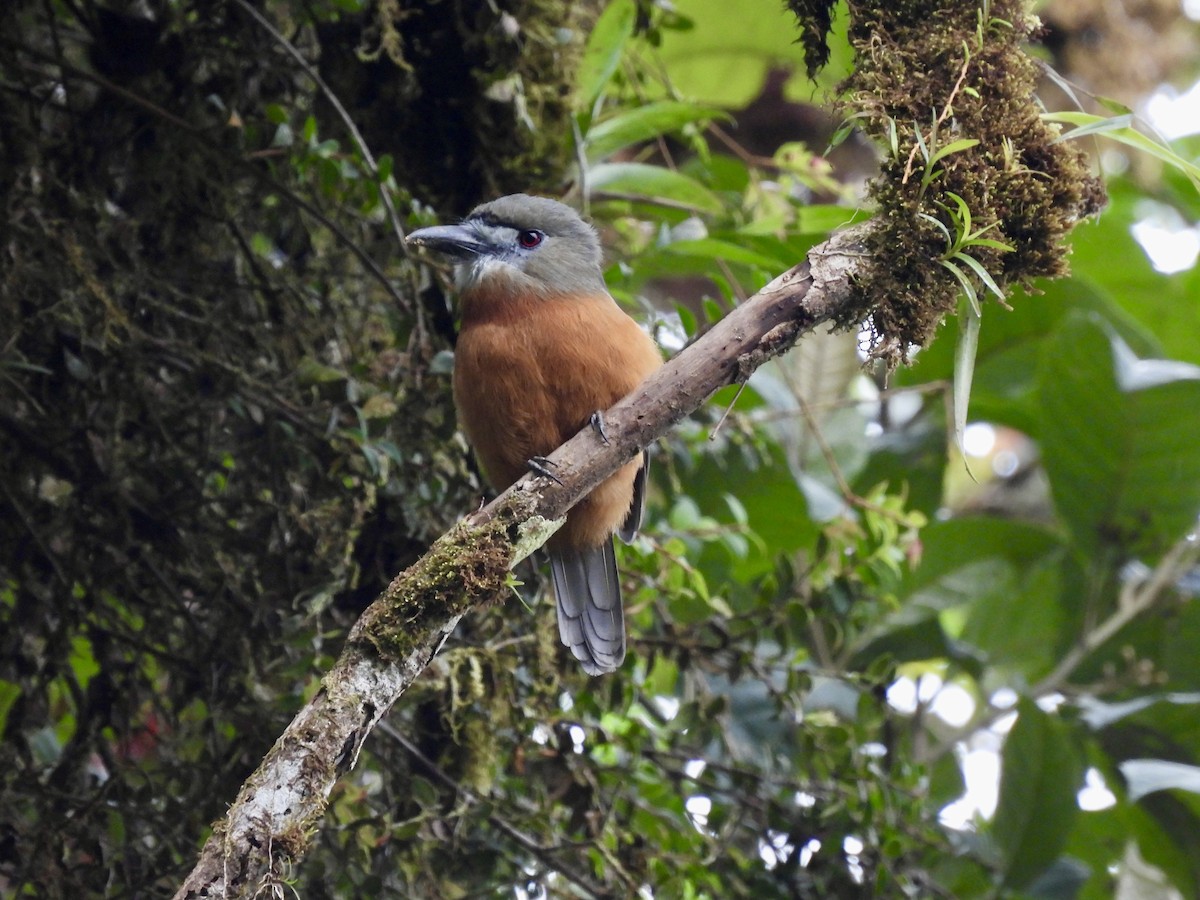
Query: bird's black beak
point(456, 241)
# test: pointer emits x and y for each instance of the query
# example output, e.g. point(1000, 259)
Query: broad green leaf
point(1040, 775)
point(759, 731)
point(604, 48)
point(776, 509)
point(1168, 727)
point(910, 458)
point(1105, 253)
point(1005, 576)
point(1168, 836)
point(1101, 838)
point(1169, 638)
point(821, 218)
point(654, 184)
point(1145, 776)
point(1119, 437)
point(910, 642)
point(712, 248)
point(641, 123)
point(954, 545)
point(1020, 627)
point(730, 48)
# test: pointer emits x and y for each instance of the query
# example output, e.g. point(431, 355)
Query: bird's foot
point(539, 465)
point(597, 423)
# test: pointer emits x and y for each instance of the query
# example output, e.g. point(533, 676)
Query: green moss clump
point(467, 564)
point(949, 70)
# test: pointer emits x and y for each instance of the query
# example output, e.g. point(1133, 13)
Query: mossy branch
point(279, 807)
point(948, 83)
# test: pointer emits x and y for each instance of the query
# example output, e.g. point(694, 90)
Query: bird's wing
point(590, 620)
point(637, 508)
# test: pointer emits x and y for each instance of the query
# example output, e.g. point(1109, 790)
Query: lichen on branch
point(933, 76)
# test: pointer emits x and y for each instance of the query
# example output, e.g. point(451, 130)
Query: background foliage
point(224, 395)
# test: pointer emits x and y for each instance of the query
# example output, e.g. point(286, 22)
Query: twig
point(359, 141)
point(542, 854)
point(1137, 597)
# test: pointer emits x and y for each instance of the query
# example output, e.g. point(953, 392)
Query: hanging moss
point(816, 21)
point(471, 100)
point(929, 73)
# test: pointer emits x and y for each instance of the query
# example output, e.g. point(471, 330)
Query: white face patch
point(485, 268)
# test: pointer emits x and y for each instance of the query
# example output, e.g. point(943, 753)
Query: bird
point(542, 350)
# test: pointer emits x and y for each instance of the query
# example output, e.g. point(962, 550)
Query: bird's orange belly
point(524, 383)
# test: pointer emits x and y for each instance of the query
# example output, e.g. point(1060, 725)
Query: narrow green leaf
point(1118, 129)
point(965, 283)
point(924, 147)
point(964, 211)
point(969, 321)
point(984, 275)
point(953, 147)
point(941, 226)
point(1040, 775)
point(654, 184)
point(991, 242)
point(643, 123)
point(1097, 124)
point(604, 48)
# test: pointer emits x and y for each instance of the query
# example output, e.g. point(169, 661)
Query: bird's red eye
point(529, 239)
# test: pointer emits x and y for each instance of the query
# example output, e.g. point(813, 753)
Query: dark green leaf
point(1039, 778)
point(1119, 445)
point(9, 692)
point(1062, 881)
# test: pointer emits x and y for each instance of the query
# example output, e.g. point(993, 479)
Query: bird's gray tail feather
point(590, 620)
point(637, 508)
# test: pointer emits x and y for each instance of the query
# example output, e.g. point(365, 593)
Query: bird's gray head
point(534, 243)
